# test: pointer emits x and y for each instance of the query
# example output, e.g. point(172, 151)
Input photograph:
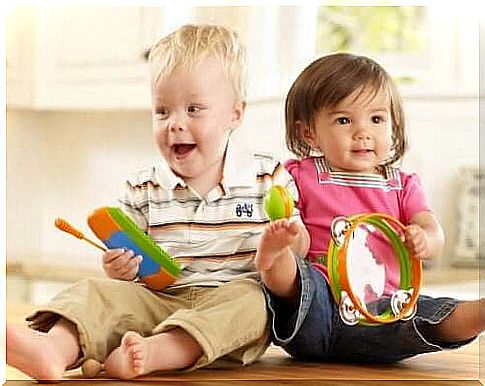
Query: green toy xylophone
point(116, 230)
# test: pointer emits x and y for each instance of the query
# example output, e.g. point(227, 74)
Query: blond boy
point(203, 204)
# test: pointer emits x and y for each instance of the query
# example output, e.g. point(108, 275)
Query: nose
point(362, 133)
point(176, 124)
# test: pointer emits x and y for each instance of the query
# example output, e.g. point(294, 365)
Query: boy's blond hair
point(189, 44)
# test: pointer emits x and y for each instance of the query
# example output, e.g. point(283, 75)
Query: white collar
point(239, 169)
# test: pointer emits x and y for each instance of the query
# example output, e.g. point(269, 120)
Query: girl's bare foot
point(34, 353)
point(277, 237)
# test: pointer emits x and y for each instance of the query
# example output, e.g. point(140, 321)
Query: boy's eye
point(343, 120)
point(161, 113)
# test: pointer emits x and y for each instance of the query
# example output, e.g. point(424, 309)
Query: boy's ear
point(307, 133)
point(238, 113)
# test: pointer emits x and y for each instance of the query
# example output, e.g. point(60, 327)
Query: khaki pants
point(227, 321)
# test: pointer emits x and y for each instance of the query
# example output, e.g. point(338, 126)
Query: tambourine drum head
point(373, 268)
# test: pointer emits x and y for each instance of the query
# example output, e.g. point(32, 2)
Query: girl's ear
point(307, 133)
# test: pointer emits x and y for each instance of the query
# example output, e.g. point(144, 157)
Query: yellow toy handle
point(64, 226)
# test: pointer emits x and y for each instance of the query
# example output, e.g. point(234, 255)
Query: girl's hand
point(416, 241)
point(121, 264)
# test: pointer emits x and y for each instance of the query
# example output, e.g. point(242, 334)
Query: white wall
point(65, 164)
point(444, 136)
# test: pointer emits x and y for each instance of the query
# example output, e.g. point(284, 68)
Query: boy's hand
point(121, 264)
point(416, 241)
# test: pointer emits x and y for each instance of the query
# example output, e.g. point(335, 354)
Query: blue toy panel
point(120, 240)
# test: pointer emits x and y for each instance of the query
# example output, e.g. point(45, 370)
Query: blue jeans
point(313, 330)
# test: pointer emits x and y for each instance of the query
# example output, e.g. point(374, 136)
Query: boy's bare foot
point(171, 350)
point(130, 359)
point(276, 238)
point(34, 353)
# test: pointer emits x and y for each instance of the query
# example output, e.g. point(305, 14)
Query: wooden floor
point(457, 367)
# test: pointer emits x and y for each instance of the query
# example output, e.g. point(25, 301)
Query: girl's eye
point(343, 120)
point(377, 119)
point(193, 109)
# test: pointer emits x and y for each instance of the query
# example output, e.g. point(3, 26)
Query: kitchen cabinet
point(80, 57)
point(93, 57)
point(19, 49)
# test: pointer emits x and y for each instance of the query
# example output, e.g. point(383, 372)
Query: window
point(427, 49)
point(376, 29)
point(430, 50)
point(396, 34)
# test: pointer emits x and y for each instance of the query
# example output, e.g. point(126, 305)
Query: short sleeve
point(130, 202)
point(413, 198)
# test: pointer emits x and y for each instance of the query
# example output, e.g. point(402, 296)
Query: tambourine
point(372, 276)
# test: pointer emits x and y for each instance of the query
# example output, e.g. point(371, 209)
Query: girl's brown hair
point(329, 80)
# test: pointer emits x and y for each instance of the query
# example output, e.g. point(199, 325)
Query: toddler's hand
point(121, 264)
point(416, 241)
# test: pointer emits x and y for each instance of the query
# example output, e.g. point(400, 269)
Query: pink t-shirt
point(324, 195)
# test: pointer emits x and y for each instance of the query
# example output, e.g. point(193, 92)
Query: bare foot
point(136, 355)
point(34, 353)
point(130, 359)
point(276, 238)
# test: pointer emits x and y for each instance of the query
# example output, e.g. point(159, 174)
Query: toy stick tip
point(63, 225)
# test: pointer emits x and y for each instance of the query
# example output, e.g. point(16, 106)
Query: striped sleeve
point(134, 198)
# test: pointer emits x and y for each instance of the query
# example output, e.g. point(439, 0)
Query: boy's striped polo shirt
point(214, 238)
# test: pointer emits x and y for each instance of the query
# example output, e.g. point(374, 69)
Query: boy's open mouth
point(181, 149)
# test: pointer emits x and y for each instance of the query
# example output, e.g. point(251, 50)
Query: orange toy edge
point(102, 224)
point(158, 280)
